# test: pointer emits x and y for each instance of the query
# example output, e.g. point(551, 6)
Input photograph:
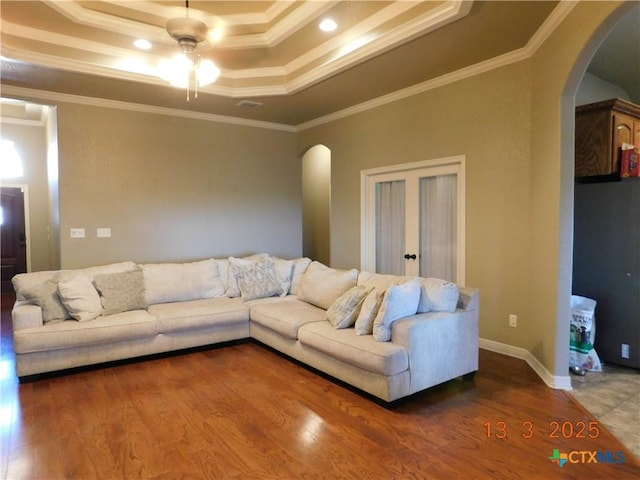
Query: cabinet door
point(623, 132)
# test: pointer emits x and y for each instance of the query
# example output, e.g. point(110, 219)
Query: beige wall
point(507, 123)
point(486, 118)
point(174, 189)
point(31, 144)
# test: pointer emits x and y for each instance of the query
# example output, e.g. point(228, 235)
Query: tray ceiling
point(269, 52)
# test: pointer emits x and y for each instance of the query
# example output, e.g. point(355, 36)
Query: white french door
point(413, 219)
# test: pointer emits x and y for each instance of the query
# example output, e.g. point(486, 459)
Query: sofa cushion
point(120, 292)
point(287, 316)
point(178, 316)
point(257, 279)
point(438, 295)
point(69, 334)
point(384, 358)
point(321, 285)
point(344, 311)
point(80, 298)
point(380, 280)
point(178, 282)
point(398, 301)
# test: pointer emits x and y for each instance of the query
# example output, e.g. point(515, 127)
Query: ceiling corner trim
point(550, 24)
point(52, 98)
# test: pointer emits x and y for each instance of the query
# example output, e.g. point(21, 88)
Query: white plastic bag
point(583, 335)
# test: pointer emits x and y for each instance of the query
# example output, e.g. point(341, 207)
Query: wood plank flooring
point(245, 412)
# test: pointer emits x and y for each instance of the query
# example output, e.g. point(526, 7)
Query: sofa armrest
point(26, 315)
point(441, 345)
point(469, 298)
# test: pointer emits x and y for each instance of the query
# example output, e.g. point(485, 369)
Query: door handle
point(412, 256)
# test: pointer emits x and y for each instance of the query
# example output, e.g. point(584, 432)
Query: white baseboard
point(552, 381)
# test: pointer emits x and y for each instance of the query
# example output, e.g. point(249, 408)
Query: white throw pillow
point(80, 298)
point(178, 282)
point(399, 301)
point(233, 290)
point(257, 279)
point(368, 312)
point(438, 295)
point(321, 285)
point(344, 311)
point(300, 266)
point(284, 269)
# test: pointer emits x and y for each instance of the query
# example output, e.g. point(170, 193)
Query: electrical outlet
point(513, 320)
point(77, 233)
point(624, 351)
point(103, 232)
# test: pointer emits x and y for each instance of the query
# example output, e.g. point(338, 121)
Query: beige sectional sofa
point(388, 336)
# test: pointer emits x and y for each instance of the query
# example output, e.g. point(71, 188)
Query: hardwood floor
point(245, 412)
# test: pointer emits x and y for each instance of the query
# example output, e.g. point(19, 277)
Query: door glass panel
point(390, 227)
point(438, 227)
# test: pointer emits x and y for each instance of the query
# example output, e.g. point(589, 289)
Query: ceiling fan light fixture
point(178, 71)
point(207, 73)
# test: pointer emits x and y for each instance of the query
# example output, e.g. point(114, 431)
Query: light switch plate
point(77, 233)
point(103, 233)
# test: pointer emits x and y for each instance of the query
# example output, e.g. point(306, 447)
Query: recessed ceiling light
point(328, 25)
point(142, 44)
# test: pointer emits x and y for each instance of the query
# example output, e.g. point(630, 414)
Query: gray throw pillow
point(257, 279)
point(45, 295)
point(121, 292)
point(344, 311)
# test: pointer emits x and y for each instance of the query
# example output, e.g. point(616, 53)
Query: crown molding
point(545, 30)
point(21, 121)
point(54, 97)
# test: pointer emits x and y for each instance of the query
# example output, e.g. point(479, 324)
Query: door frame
point(368, 179)
point(27, 226)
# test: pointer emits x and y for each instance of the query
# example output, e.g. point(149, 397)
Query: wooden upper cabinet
point(601, 129)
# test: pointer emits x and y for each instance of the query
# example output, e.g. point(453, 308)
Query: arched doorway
point(568, 120)
point(316, 204)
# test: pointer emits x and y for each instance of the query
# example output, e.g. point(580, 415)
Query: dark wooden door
point(13, 241)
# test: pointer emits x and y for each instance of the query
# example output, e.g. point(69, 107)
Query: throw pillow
point(284, 269)
point(300, 266)
point(368, 312)
point(233, 290)
point(321, 285)
point(399, 301)
point(121, 292)
point(179, 282)
point(45, 295)
point(80, 298)
point(257, 279)
point(438, 295)
point(344, 311)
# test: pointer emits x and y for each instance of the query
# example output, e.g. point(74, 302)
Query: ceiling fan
point(188, 66)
